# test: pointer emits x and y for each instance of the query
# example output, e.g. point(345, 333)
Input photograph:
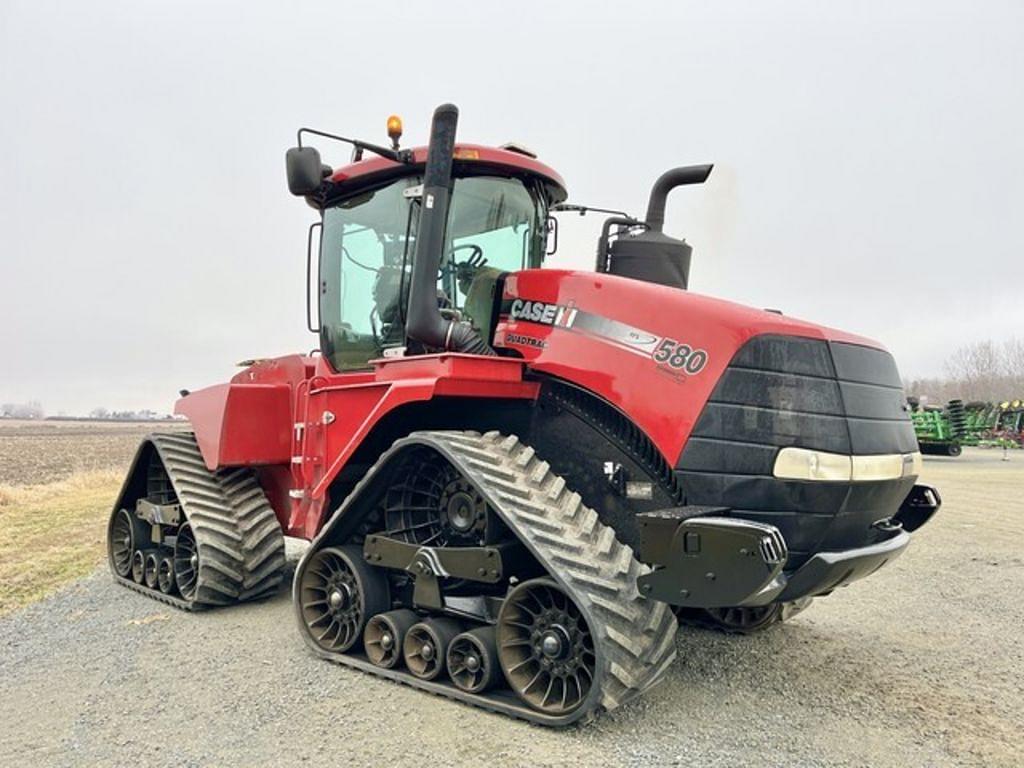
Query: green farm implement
point(944, 430)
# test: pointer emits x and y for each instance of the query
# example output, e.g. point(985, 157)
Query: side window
point(363, 254)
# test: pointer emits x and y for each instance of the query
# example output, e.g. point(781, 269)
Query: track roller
point(426, 645)
point(339, 592)
point(545, 647)
point(138, 567)
point(165, 574)
point(151, 566)
point(473, 660)
point(384, 635)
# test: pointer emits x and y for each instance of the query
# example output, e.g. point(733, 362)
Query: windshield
point(494, 226)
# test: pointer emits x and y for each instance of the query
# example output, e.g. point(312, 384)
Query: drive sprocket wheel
point(339, 592)
point(545, 647)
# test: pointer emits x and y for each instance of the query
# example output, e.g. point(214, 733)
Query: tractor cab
point(497, 222)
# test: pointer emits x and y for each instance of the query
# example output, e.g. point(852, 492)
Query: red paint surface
point(299, 422)
point(467, 153)
point(664, 405)
point(276, 411)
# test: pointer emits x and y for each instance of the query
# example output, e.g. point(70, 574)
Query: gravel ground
point(920, 665)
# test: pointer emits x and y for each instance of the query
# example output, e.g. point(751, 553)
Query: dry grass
point(52, 534)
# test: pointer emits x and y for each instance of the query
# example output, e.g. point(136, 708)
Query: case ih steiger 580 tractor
point(516, 480)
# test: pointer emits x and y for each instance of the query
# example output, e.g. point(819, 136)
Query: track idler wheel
point(339, 591)
point(165, 574)
point(122, 541)
point(138, 566)
point(186, 562)
point(473, 660)
point(426, 645)
point(384, 635)
point(545, 647)
point(150, 568)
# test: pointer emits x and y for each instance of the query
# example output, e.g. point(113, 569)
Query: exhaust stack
point(669, 180)
point(424, 322)
point(652, 255)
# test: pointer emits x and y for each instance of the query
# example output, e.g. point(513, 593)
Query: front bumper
point(826, 571)
point(703, 559)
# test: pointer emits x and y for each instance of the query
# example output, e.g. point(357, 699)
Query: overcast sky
point(869, 162)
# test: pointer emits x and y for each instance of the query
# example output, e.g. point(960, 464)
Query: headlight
point(803, 464)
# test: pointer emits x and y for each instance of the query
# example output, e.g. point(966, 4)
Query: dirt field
point(922, 665)
point(34, 452)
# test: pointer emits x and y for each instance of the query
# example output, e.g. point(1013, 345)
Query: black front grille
point(783, 391)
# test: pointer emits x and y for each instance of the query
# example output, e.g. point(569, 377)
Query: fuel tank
point(780, 420)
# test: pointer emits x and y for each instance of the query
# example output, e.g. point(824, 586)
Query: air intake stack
point(424, 322)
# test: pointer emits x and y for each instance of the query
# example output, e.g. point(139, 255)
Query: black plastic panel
point(773, 427)
point(865, 364)
point(873, 402)
point(877, 436)
point(787, 354)
point(770, 389)
point(724, 456)
point(783, 391)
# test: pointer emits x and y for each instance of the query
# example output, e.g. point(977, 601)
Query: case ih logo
point(676, 358)
point(541, 312)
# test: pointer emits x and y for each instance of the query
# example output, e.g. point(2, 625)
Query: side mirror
point(305, 170)
point(550, 236)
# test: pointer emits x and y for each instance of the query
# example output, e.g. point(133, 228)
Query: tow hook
point(888, 525)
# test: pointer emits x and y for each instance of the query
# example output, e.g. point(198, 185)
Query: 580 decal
point(675, 358)
point(681, 356)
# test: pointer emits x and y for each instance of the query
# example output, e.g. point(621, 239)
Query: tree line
point(33, 410)
point(984, 370)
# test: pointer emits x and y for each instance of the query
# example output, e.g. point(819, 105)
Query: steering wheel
point(465, 268)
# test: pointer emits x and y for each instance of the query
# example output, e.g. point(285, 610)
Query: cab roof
point(374, 169)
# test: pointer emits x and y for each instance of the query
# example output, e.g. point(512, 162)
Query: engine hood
point(654, 352)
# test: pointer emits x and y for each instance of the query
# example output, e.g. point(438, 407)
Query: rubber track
point(635, 637)
point(241, 547)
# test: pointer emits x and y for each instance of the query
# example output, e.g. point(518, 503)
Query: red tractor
point(516, 480)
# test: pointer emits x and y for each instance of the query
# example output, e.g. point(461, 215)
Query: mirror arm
point(399, 156)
